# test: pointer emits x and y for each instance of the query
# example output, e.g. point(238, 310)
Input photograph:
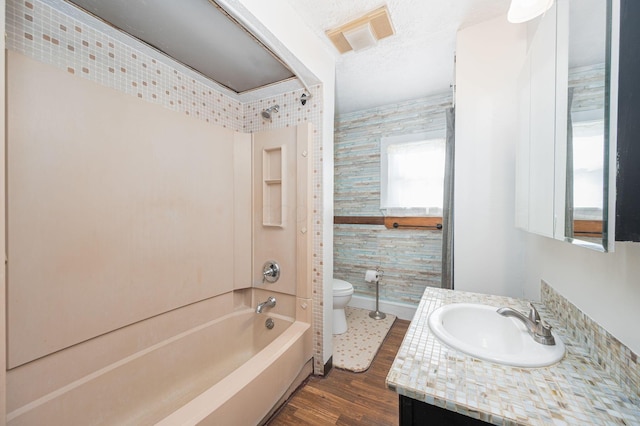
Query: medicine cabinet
point(566, 150)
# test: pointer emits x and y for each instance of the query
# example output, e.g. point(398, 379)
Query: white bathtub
point(228, 371)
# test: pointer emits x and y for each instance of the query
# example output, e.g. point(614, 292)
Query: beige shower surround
point(130, 224)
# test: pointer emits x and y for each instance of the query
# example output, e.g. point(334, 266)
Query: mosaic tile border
point(50, 32)
point(610, 354)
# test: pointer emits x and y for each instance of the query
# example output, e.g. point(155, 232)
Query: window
point(412, 175)
point(588, 171)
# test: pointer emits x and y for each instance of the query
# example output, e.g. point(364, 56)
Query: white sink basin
point(479, 331)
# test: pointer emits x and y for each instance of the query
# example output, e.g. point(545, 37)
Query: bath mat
point(355, 349)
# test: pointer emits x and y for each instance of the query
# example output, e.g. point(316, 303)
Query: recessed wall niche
point(273, 195)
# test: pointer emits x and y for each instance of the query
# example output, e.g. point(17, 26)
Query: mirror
point(583, 120)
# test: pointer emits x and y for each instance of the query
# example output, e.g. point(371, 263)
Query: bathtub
point(231, 370)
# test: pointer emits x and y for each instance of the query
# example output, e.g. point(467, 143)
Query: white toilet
point(342, 292)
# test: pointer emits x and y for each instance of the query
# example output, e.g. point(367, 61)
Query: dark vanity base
point(414, 412)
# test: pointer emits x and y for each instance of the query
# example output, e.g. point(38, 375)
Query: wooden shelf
point(358, 220)
point(587, 228)
point(392, 222)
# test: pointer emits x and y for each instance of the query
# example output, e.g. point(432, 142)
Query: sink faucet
point(270, 303)
point(538, 329)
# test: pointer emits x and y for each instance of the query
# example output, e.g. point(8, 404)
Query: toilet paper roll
point(371, 276)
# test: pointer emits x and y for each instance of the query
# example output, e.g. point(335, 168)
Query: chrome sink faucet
point(270, 303)
point(538, 329)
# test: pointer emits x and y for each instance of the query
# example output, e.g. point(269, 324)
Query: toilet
point(342, 292)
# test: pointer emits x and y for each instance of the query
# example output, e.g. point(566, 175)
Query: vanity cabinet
point(418, 413)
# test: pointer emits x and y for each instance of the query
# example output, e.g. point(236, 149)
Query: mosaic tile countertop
point(574, 391)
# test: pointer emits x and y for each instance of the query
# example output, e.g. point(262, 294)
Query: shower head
point(266, 114)
point(304, 98)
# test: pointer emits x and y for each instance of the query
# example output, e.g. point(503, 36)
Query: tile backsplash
point(613, 356)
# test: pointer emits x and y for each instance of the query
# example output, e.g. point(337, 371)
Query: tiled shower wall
point(56, 33)
point(292, 113)
point(53, 32)
point(410, 259)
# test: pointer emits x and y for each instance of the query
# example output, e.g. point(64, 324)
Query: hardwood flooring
point(346, 398)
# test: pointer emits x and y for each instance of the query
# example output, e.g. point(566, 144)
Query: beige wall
point(128, 210)
point(3, 340)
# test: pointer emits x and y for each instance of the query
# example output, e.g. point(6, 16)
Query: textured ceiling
point(417, 61)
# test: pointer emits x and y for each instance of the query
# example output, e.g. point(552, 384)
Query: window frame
point(387, 141)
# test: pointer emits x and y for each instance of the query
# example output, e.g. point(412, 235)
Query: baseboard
point(400, 310)
point(328, 366)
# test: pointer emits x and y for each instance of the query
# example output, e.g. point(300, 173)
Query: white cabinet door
point(535, 165)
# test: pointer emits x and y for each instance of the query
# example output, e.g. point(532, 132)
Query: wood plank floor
point(346, 398)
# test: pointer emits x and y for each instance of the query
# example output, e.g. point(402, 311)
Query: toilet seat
point(342, 288)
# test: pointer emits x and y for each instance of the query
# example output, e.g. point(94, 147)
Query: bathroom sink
point(479, 331)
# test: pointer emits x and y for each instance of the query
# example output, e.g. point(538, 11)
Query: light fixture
point(361, 37)
point(363, 32)
point(526, 10)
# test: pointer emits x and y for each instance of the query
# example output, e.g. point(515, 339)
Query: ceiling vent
point(363, 32)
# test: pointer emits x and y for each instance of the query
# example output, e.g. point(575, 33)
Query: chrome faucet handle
point(533, 313)
point(541, 326)
point(270, 271)
point(537, 328)
point(545, 328)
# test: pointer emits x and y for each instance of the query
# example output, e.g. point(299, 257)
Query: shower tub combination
point(232, 370)
point(145, 314)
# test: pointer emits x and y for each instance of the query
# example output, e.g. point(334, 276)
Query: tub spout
point(270, 303)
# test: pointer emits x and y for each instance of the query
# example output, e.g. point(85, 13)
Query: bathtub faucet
point(270, 303)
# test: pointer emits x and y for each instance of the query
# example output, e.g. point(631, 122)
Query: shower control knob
point(270, 271)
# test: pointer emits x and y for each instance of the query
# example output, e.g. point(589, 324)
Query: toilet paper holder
point(372, 276)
